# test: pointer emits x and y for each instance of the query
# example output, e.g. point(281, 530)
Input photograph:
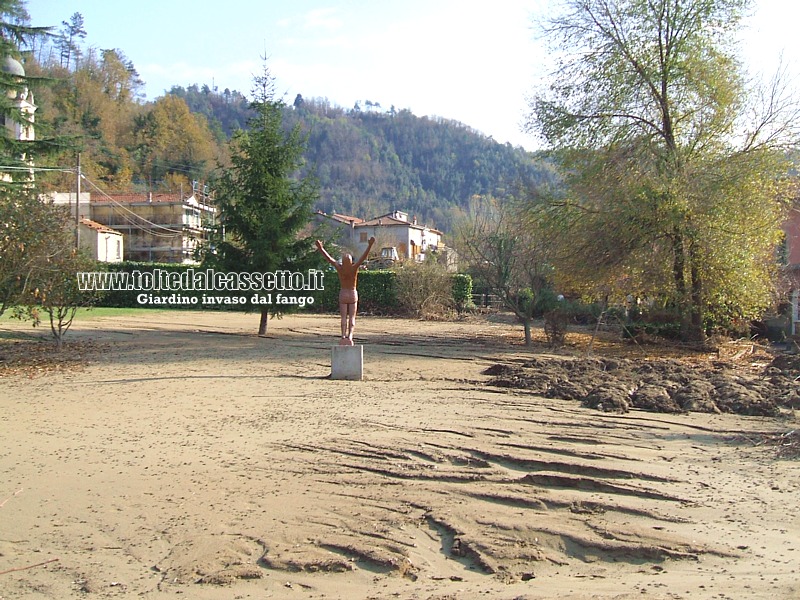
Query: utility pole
point(78, 205)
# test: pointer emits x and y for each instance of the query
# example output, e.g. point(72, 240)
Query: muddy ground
point(179, 455)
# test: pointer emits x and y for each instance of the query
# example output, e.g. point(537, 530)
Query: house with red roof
point(411, 239)
point(103, 243)
point(155, 227)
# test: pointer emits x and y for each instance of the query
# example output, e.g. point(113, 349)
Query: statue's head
point(347, 259)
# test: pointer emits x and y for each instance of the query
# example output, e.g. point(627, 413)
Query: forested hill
point(370, 161)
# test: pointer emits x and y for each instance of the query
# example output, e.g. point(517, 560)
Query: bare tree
point(504, 252)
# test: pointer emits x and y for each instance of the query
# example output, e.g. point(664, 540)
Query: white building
point(21, 100)
point(155, 227)
point(411, 239)
point(103, 243)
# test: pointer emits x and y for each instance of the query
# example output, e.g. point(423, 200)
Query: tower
point(21, 101)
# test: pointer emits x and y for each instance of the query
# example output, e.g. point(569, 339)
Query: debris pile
point(657, 385)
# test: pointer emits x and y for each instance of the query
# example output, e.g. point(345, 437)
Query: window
point(363, 237)
point(782, 251)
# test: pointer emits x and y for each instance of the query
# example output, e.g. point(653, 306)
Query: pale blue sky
point(469, 60)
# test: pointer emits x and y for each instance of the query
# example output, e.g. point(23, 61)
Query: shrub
point(425, 290)
point(462, 292)
point(556, 322)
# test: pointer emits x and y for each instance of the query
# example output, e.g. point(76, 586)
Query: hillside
point(371, 161)
point(367, 161)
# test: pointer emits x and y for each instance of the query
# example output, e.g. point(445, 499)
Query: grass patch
point(87, 314)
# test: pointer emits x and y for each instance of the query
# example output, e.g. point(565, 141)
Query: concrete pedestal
point(347, 362)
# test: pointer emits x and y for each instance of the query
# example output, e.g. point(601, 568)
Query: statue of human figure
point(348, 295)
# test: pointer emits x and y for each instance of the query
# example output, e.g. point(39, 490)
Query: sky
point(473, 61)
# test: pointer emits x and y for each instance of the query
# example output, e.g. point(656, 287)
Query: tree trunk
point(678, 264)
point(689, 302)
point(696, 333)
point(262, 326)
point(526, 325)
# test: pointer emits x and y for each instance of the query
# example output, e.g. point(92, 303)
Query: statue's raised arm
point(324, 253)
point(366, 252)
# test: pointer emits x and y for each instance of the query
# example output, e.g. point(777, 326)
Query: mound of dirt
point(655, 398)
point(658, 385)
point(695, 396)
point(608, 398)
point(212, 559)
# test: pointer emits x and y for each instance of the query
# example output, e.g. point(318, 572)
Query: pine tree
point(14, 33)
point(71, 32)
point(263, 204)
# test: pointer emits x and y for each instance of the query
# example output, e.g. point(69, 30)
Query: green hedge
point(376, 292)
point(376, 289)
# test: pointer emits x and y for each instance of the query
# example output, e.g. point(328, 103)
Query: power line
point(28, 169)
point(173, 232)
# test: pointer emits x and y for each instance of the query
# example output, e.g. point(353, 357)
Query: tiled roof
point(97, 226)
point(346, 218)
point(387, 220)
point(341, 218)
point(139, 198)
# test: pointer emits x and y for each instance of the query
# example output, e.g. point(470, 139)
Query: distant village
point(171, 227)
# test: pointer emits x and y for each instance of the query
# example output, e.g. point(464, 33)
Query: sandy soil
point(187, 456)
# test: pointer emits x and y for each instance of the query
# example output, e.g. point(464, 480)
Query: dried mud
point(657, 385)
point(194, 458)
